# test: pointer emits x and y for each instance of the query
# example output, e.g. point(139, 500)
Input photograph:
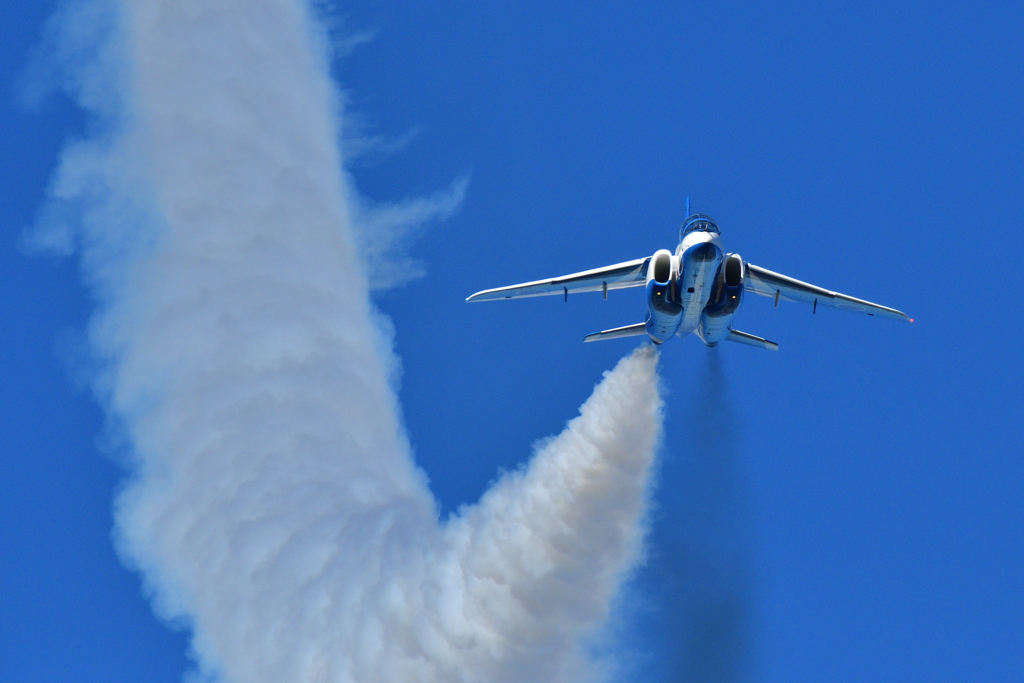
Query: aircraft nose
point(704, 252)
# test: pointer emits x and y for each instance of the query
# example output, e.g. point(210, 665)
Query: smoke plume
point(702, 545)
point(273, 506)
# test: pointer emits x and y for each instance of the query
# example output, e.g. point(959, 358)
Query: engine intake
point(733, 271)
point(660, 270)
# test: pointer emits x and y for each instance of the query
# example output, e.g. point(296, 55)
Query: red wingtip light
point(911, 320)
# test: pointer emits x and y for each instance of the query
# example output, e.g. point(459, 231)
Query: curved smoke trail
point(273, 504)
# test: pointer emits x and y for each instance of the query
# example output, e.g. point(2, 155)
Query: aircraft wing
point(766, 283)
point(618, 276)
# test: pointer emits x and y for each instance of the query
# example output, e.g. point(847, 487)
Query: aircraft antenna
point(687, 207)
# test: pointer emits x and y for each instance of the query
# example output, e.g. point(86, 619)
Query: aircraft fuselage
point(699, 256)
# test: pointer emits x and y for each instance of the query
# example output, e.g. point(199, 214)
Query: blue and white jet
point(698, 290)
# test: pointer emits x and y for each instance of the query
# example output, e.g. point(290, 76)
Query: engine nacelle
point(725, 299)
point(664, 312)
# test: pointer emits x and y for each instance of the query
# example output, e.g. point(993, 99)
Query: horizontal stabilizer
point(751, 340)
point(637, 330)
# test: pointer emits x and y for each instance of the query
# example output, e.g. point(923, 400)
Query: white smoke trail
point(273, 505)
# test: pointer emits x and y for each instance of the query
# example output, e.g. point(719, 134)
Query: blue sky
point(858, 513)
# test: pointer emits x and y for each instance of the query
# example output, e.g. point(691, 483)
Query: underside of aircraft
point(697, 289)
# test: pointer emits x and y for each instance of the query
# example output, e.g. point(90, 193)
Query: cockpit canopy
point(698, 222)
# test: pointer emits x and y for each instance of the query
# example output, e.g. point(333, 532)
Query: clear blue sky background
point(847, 509)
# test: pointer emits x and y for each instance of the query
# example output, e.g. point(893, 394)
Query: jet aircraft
point(698, 290)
